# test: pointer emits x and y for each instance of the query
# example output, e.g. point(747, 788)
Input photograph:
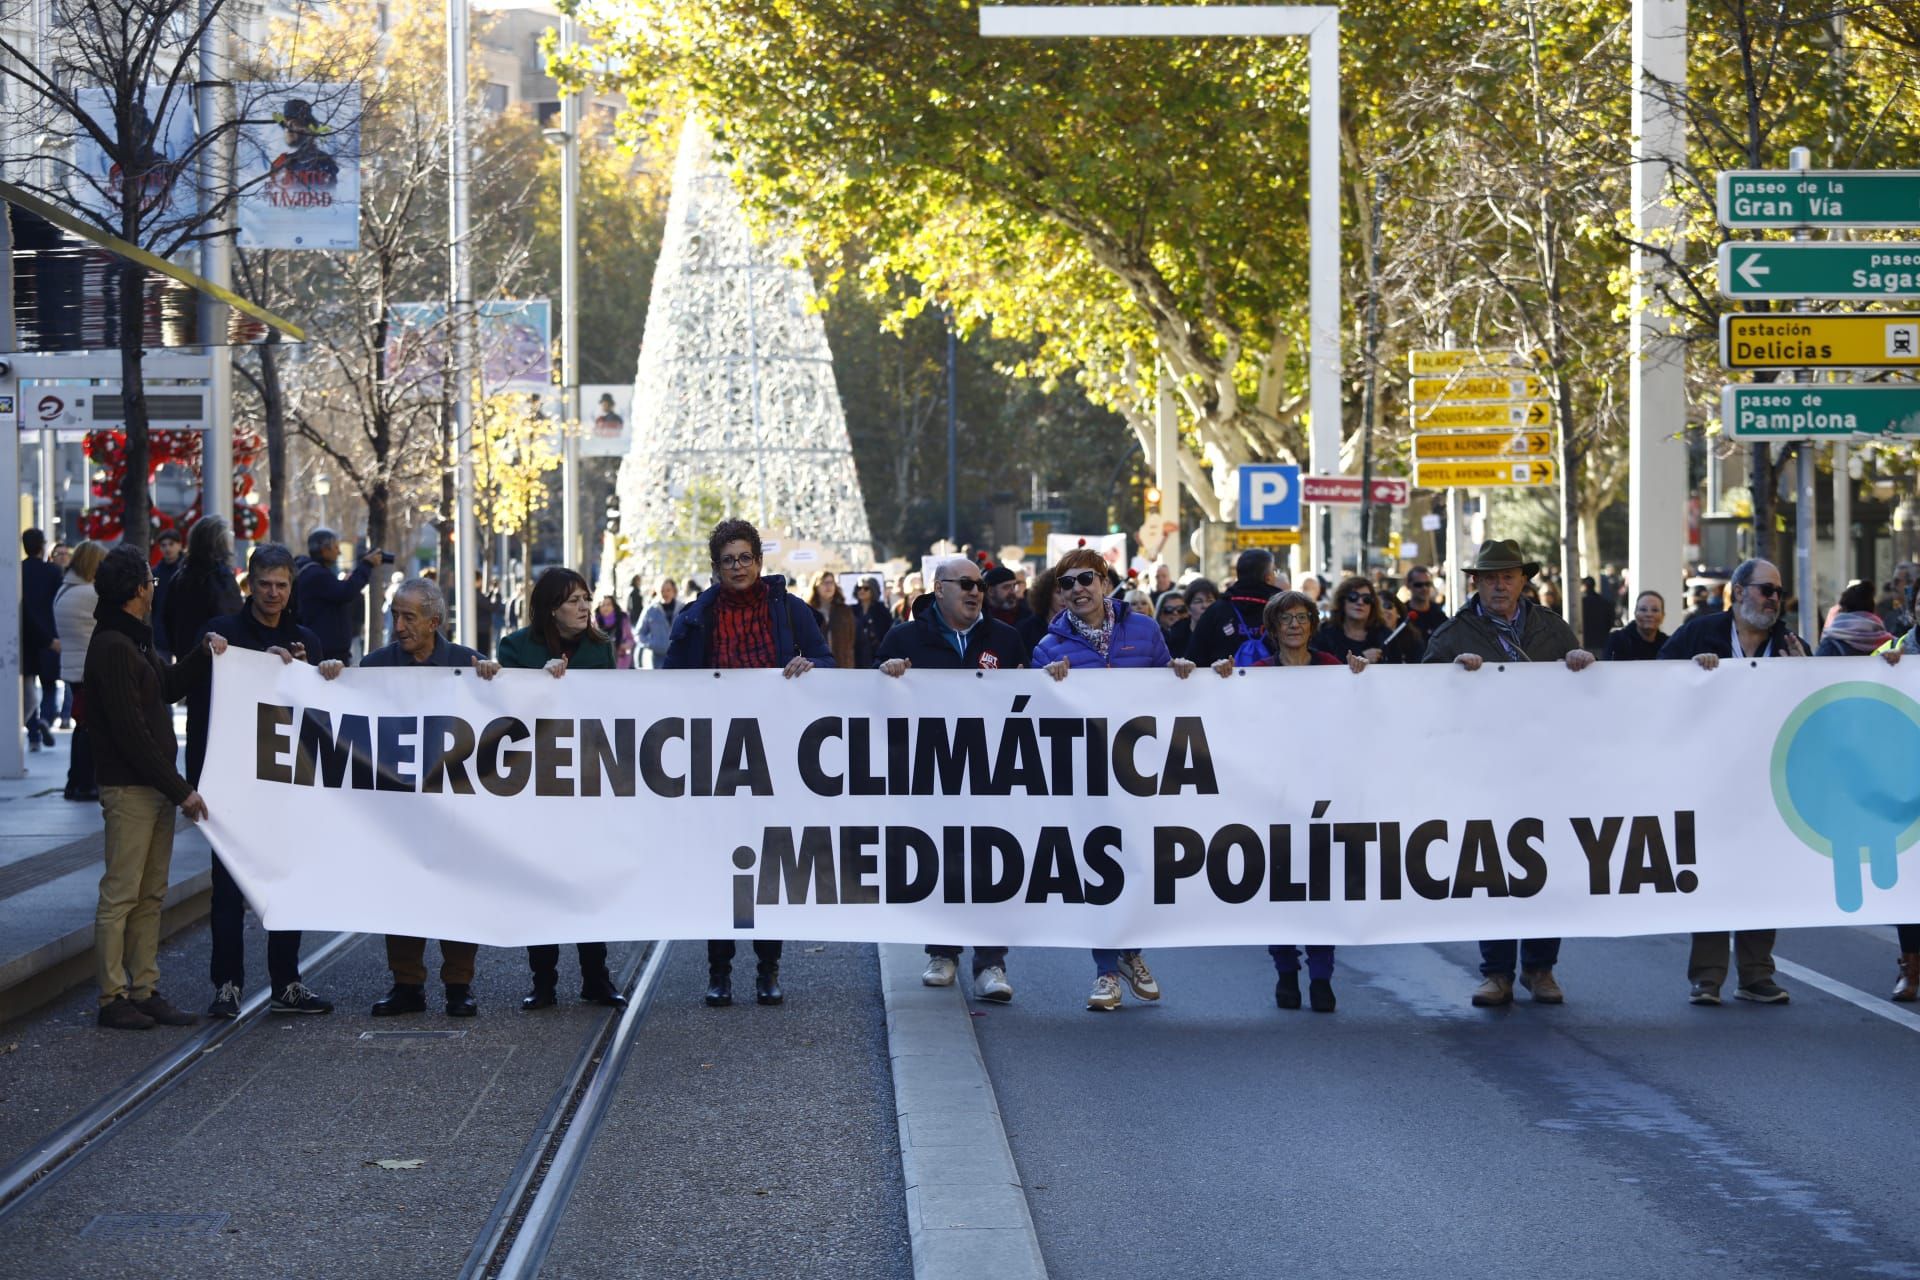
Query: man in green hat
point(1499, 625)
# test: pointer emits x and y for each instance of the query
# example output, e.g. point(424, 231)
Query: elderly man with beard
point(1752, 627)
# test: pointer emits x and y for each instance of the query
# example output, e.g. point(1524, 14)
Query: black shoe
point(226, 1001)
point(460, 1002)
point(541, 997)
point(719, 988)
point(46, 735)
point(161, 1010)
point(121, 1014)
point(599, 989)
point(1765, 991)
point(406, 997)
point(766, 986)
point(1286, 990)
point(1320, 995)
point(1704, 993)
point(297, 998)
point(84, 795)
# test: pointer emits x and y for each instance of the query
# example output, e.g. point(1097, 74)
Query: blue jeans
point(1109, 961)
point(1286, 959)
point(1534, 953)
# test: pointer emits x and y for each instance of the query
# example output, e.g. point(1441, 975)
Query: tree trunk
point(273, 401)
point(1760, 486)
point(136, 521)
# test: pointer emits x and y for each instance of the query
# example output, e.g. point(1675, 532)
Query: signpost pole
point(1166, 473)
point(572, 551)
point(466, 538)
point(1804, 586)
point(216, 264)
point(1456, 581)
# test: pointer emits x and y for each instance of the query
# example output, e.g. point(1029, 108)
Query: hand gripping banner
point(1124, 808)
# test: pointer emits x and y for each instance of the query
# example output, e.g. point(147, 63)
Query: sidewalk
point(50, 851)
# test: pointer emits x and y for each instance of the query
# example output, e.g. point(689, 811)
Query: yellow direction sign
point(1244, 538)
point(1443, 390)
point(1476, 475)
point(1499, 413)
point(1456, 360)
point(1864, 340)
point(1483, 444)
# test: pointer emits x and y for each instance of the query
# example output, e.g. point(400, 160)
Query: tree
point(514, 455)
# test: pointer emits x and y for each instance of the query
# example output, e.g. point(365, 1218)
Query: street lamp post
point(567, 138)
point(460, 316)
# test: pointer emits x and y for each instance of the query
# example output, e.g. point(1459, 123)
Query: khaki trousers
point(407, 957)
point(1752, 949)
point(126, 924)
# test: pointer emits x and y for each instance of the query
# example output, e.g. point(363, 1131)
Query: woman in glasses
point(1170, 613)
point(1357, 625)
point(1286, 640)
point(1094, 630)
point(871, 622)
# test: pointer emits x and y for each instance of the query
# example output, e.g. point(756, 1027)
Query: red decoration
point(105, 520)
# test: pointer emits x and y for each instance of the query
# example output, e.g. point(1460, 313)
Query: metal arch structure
point(1320, 26)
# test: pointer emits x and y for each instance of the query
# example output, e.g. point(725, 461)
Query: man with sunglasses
point(949, 631)
point(1423, 611)
point(1751, 627)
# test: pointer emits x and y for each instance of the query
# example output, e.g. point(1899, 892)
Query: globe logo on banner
point(1846, 779)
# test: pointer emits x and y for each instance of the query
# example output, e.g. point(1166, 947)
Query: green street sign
point(1819, 198)
point(1848, 270)
point(1794, 411)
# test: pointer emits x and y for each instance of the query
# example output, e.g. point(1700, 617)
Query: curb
point(50, 970)
point(967, 1213)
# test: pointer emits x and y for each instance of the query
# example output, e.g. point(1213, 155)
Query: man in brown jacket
point(129, 687)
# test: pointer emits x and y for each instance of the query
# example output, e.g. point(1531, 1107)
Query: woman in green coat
point(560, 637)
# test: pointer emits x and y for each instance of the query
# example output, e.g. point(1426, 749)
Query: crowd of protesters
point(131, 636)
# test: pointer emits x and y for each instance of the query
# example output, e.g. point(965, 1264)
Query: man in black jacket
point(1235, 616)
point(328, 603)
point(265, 625)
point(1422, 610)
point(949, 632)
point(39, 641)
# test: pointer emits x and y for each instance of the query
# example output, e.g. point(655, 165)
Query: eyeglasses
point(737, 562)
point(1085, 578)
point(1418, 586)
point(1175, 611)
point(1296, 619)
point(968, 585)
point(1360, 597)
point(1770, 590)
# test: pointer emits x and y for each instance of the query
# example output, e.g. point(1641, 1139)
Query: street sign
point(1452, 390)
point(1852, 270)
point(1269, 495)
point(1854, 340)
point(1348, 490)
point(1456, 360)
point(1483, 444)
point(1819, 198)
point(1787, 411)
point(1475, 475)
point(1244, 538)
point(1508, 413)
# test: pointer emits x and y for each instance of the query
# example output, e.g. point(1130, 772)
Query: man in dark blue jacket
point(745, 620)
point(327, 602)
point(39, 639)
point(265, 625)
point(949, 632)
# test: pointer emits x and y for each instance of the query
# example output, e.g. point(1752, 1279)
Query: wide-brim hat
point(1502, 554)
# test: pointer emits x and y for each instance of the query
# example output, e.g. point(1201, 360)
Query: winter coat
point(522, 650)
point(870, 627)
point(991, 644)
point(73, 620)
point(39, 584)
point(838, 628)
point(242, 630)
point(1228, 621)
point(330, 604)
point(620, 631)
point(656, 628)
point(198, 594)
point(1137, 641)
point(1628, 645)
point(1332, 638)
point(1851, 634)
point(1713, 633)
point(796, 629)
point(445, 654)
point(1544, 637)
point(129, 690)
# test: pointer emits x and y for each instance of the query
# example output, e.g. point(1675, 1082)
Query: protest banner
point(1113, 808)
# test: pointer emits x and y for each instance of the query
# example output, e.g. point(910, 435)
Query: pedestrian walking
point(560, 637)
point(326, 602)
point(39, 641)
point(1753, 626)
point(419, 615)
point(656, 624)
point(167, 543)
point(1641, 639)
point(1096, 631)
point(73, 620)
point(1357, 625)
point(612, 621)
point(835, 616)
point(950, 631)
point(1499, 625)
point(871, 622)
point(745, 620)
point(133, 751)
point(1236, 614)
point(1896, 606)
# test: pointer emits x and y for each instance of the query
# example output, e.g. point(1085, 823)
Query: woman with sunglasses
point(1356, 626)
point(1285, 641)
point(871, 622)
point(1170, 613)
point(1094, 630)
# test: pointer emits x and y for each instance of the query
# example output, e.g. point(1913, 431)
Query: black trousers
point(1910, 938)
point(80, 748)
point(544, 960)
point(228, 921)
point(765, 950)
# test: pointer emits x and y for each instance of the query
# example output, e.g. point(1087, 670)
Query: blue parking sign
point(1269, 496)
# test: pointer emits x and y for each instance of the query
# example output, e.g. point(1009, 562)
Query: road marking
point(1878, 1005)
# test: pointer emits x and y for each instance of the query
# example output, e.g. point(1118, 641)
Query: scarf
point(1507, 631)
point(742, 629)
point(1861, 632)
point(1097, 638)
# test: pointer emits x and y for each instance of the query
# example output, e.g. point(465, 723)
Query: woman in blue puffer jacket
point(1097, 631)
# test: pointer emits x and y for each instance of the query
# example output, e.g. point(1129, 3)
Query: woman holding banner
point(560, 637)
point(1286, 641)
point(1094, 630)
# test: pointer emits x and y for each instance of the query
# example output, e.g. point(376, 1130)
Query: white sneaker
point(1134, 970)
point(940, 971)
point(991, 984)
point(1106, 993)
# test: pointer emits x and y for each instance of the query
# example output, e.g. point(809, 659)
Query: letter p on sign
point(1269, 496)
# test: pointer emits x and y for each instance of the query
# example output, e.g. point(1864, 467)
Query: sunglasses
point(1771, 590)
point(1175, 611)
point(1359, 597)
point(965, 584)
point(1085, 578)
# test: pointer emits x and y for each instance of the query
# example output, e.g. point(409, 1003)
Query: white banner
point(297, 164)
point(1116, 808)
point(1111, 546)
point(160, 174)
point(606, 420)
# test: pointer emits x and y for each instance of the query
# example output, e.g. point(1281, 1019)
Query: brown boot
point(121, 1014)
point(1494, 991)
point(1907, 990)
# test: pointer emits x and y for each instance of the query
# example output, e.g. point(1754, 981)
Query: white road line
point(1878, 1005)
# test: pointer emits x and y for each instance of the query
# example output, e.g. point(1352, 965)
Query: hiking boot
point(1704, 993)
point(1106, 993)
point(991, 984)
point(297, 997)
point(1765, 991)
point(1286, 990)
point(1134, 971)
point(940, 971)
point(121, 1014)
point(1907, 989)
point(226, 1001)
point(161, 1010)
point(1543, 986)
point(1494, 991)
point(1320, 995)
